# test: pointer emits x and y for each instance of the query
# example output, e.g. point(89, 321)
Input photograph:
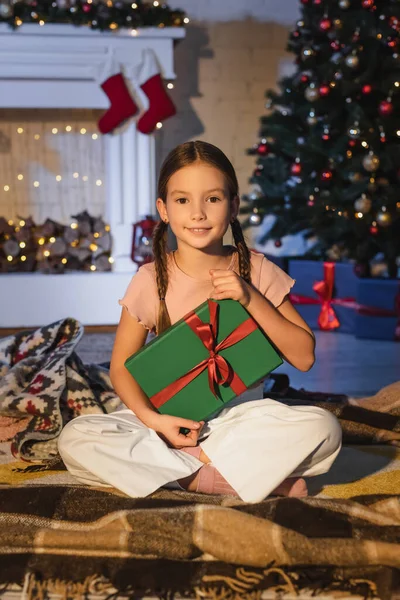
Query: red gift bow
point(327, 319)
point(219, 370)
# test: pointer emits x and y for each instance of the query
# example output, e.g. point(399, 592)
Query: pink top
point(185, 293)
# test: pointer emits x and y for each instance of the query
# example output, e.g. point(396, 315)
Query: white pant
point(254, 444)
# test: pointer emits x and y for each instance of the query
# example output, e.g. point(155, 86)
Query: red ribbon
point(327, 319)
point(219, 370)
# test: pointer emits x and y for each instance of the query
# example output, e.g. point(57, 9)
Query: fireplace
point(57, 67)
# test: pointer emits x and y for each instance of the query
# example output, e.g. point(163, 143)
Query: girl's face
point(198, 206)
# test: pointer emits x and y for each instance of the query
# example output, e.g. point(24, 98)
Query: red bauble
point(392, 43)
point(394, 23)
point(257, 172)
point(295, 169)
point(86, 8)
point(366, 89)
point(324, 90)
point(373, 230)
point(326, 175)
point(385, 108)
point(317, 2)
point(325, 24)
point(263, 149)
point(278, 243)
point(367, 3)
point(383, 139)
point(326, 137)
point(335, 45)
point(304, 79)
point(352, 143)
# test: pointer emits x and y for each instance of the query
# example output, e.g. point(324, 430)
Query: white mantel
point(58, 66)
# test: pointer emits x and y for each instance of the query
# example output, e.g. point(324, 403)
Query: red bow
point(219, 370)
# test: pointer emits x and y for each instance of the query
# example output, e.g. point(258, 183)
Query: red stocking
point(122, 105)
point(161, 106)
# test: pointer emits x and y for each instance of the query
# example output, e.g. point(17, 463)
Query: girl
point(253, 447)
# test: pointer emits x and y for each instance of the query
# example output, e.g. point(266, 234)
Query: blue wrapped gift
point(378, 312)
point(325, 294)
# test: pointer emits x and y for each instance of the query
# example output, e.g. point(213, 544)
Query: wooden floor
point(343, 365)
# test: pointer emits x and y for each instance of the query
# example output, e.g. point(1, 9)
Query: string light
point(23, 258)
point(134, 5)
point(93, 247)
point(22, 244)
point(20, 130)
point(37, 136)
point(41, 242)
point(92, 267)
point(36, 184)
point(99, 182)
point(94, 136)
point(6, 188)
point(85, 178)
point(170, 86)
point(68, 128)
point(64, 261)
point(22, 223)
point(9, 258)
point(74, 225)
point(41, 23)
point(159, 125)
point(156, 3)
point(111, 260)
point(75, 175)
point(107, 228)
point(52, 240)
point(46, 253)
point(134, 32)
point(54, 130)
point(113, 26)
point(83, 131)
point(20, 177)
point(58, 178)
point(186, 20)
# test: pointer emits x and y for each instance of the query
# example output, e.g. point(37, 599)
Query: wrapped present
point(204, 360)
point(378, 309)
point(325, 294)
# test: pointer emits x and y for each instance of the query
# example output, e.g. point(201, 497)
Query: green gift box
point(206, 359)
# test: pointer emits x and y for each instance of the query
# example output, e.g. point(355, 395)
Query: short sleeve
point(140, 299)
point(274, 283)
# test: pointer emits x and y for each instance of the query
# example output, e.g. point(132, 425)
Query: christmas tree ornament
point(324, 90)
point(160, 105)
point(366, 89)
point(325, 24)
point(344, 4)
point(354, 131)
point(122, 105)
point(355, 177)
point(368, 4)
point(255, 218)
point(383, 218)
point(295, 169)
point(326, 175)
point(363, 204)
point(352, 143)
point(312, 93)
point(325, 135)
point(371, 162)
point(373, 230)
point(312, 119)
point(394, 23)
point(263, 149)
point(304, 78)
point(278, 243)
point(255, 194)
point(335, 45)
point(6, 10)
point(386, 108)
point(307, 52)
point(352, 61)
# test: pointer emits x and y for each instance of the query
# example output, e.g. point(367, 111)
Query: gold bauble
point(371, 162)
point(312, 93)
point(355, 177)
point(352, 61)
point(363, 204)
point(383, 219)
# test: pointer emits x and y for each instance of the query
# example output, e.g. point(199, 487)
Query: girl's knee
point(329, 428)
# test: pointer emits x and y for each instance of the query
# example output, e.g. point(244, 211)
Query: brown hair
point(180, 157)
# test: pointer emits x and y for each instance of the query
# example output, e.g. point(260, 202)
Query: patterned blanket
point(61, 538)
point(44, 382)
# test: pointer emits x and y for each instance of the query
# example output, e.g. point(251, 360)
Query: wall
point(223, 71)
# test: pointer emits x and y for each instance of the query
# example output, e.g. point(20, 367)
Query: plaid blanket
point(41, 377)
point(79, 540)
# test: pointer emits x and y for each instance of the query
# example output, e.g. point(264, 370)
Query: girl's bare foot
point(294, 487)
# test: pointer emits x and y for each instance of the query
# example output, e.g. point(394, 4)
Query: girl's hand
point(227, 284)
point(168, 428)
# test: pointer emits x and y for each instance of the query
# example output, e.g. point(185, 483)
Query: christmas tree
point(328, 157)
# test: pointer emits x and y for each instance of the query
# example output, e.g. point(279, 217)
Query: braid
point(161, 266)
point(243, 251)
